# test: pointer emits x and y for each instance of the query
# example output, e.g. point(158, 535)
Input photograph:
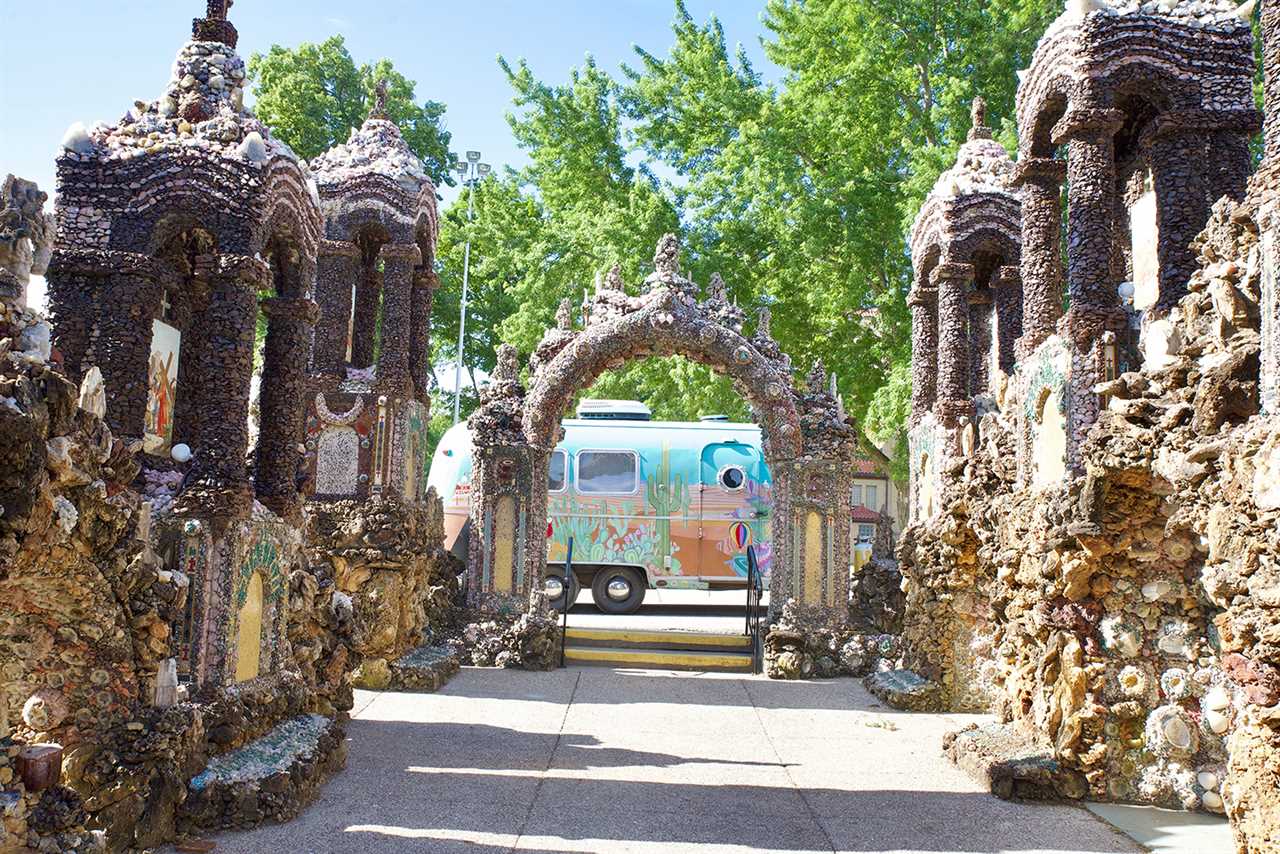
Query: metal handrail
point(755, 593)
point(567, 588)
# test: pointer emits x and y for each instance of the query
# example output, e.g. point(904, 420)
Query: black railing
point(566, 591)
point(755, 614)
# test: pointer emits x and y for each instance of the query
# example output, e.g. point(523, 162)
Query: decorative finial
point(762, 324)
point(716, 288)
point(564, 315)
point(508, 368)
point(214, 26)
point(666, 258)
point(817, 379)
point(379, 110)
point(978, 114)
point(613, 280)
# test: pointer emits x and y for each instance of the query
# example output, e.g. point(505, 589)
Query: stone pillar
point(424, 285)
point(507, 551)
point(980, 308)
point(218, 480)
point(1176, 152)
point(364, 328)
point(1091, 177)
point(1008, 314)
point(1229, 163)
point(953, 282)
point(1041, 181)
point(923, 300)
point(399, 260)
point(812, 569)
point(337, 270)
point(1270, 19)
point(281, 401)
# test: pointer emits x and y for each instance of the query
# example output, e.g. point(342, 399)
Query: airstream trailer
point(649, 504)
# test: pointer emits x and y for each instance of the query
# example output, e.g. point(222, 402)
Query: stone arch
point(808, 443)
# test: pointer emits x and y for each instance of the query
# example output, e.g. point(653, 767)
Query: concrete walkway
point(617, 760)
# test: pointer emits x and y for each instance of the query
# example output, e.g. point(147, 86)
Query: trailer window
point(607, 472)
point(732, 477)
point(555, 473)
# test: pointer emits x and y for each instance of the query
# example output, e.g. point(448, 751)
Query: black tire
point(575, 587)
point(609, 605)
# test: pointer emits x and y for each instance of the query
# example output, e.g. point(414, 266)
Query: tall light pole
point(471, 172)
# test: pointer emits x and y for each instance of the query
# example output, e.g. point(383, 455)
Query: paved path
point(640, 761)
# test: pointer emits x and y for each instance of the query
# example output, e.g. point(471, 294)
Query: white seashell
point(1217, 720)
point(1207, 780)
point(1177, 733)
point(1172, 644)
point(1217, 698)
point(1212, 801)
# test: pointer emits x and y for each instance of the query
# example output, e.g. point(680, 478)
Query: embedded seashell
point(1172, 644)
point(1153, 590)
point(1217, 698)
point(1217, 721)
point(1174, 683)
point(1133, 682)
point(1207, 780)
point(44, 709)
point(1212, 801)
point(1176, 732)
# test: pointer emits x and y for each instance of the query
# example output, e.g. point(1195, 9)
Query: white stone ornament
point(180, 452)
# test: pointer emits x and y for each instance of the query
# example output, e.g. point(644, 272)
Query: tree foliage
point(799, 192)
point(313, 95)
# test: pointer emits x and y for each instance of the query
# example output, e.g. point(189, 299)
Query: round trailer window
point(732, 477)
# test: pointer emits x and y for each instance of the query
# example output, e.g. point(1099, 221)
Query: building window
point(555, 473)
point(873, 493)
point(857, 496)
point(607, 472)
point(866, 532)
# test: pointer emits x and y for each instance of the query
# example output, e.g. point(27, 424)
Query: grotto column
point(1008, 314)
point(290, 322)
point(104, 287)
point(1091, 175)
point(953, 281)
point(1176, 153)
point(1270, 19)
point(337, 270)
point(397, 299)
point(980, 309)
point(218, 482)
point(923, 300)
point(424, 285)
point(1041, 181)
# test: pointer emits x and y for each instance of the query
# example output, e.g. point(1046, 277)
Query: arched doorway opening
point(807, 441)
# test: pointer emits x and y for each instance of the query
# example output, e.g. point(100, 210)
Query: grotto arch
point(809, 444)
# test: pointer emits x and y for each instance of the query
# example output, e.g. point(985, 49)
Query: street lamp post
point(471, 171)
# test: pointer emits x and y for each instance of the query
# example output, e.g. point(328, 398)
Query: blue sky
point(85, 60)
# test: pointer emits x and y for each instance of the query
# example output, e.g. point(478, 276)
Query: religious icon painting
point(162, 382)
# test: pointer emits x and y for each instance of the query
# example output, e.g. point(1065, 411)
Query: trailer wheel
point(557, 604)
point(618, 590)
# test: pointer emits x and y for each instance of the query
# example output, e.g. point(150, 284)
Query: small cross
point(165, 305)
point(379, 100)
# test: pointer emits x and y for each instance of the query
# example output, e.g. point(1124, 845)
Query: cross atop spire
point(214, 26)
point(978, 113)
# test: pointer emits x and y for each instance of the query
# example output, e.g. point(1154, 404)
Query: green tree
point(313, 95)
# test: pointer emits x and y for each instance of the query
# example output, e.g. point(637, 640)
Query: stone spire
point(214, 26)
point(379, 110)
point(978, 113)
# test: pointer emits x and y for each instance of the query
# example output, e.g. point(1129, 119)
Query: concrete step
point(659, 659)
point(656, 639)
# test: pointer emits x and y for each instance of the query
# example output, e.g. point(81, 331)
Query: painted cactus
point(668, 496)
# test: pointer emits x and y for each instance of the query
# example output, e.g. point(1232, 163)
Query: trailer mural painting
point(681, 501)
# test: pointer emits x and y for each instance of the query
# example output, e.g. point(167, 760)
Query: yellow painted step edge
point(659, 658)
point(627, 636)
